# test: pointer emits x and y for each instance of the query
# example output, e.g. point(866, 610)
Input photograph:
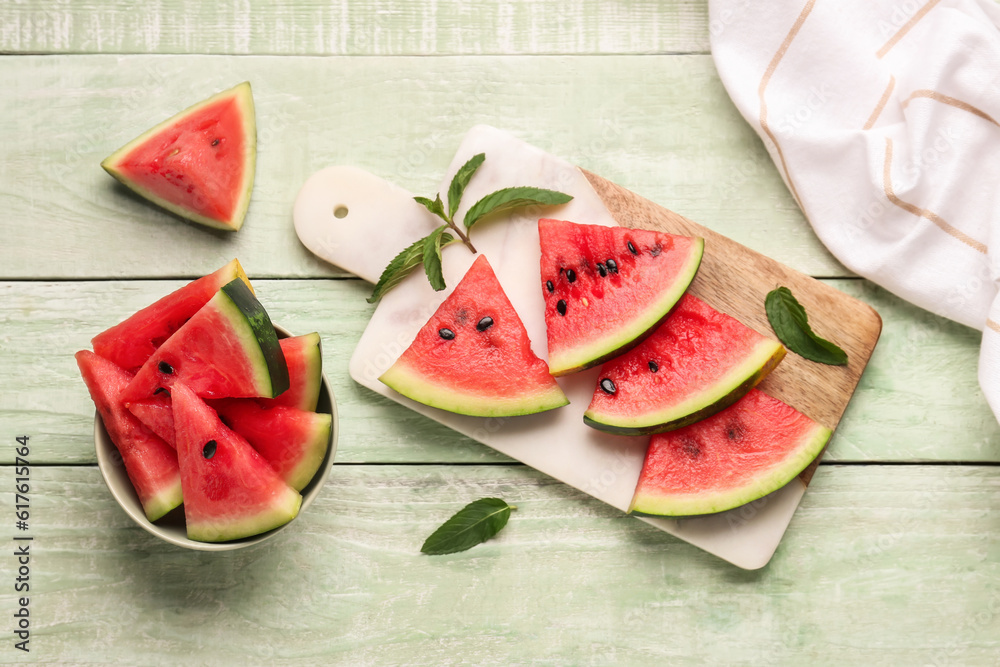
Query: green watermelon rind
point(244, 98)
point(257, 335)
point(299, 476)
point(630, 334)
point(283, 509)
point(167, 499)
point(798, 459)
point(411, 383)
point(725, 392)
point(310, 347)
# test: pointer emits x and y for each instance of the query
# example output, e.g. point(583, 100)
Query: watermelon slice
point(304, 356)
point(473, 356)
point(151, 464)
point(158, 416)
point(230, 491)
point(131, 342)
point(293, 441)
point(198, 164)
point(227, 349)
point(743, 453)
point(696, 363)
point(607, 288)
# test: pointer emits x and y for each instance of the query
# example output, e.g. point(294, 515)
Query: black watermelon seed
point(549, 286)
point(631, 248)
point(561, 307)
point(208, 451)
point(165, 368)
point(608, 386)
point(571, 275)
point(612, 265)
point(691, 448)
point(656, 250)
point(485, 323)
point(600, 269)
point(447, 334)
point(215, 143)
point(653, 367)
point(161, 390)
point(735, 431)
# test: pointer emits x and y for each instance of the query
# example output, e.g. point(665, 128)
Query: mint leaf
point(461, 179)
point(509, 198)
point(400, 267)
point(475, 523)
point(789, 320)
point(436, 206)
point(433, 243)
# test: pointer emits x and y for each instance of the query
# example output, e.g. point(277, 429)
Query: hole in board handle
point(340, 212)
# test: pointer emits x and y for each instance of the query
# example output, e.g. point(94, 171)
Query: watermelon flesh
point(230, 491)
point(304, 357)
point(198, 164)
point(292, 441)
point(696, 363)
point(734, 457)
point(227, 349)
point(607, 288)
point(131, 342)
point(150, 463)
point(473, 356)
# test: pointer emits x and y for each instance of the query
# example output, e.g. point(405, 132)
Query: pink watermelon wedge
point(304, 357)
point(293, 441)
point(696, 363)
point(734, 457)
point(230, 491)
point(229, 348)
point(473, 356)
point(131, 342)
point(150, 463)
point(607, 288)
point(199, 164)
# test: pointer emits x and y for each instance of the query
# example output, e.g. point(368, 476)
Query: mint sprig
point(427, 251)
point(789, 320)
point(473, 524)
point(511, 198)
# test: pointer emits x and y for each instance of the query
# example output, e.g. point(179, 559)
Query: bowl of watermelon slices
point(214, 428)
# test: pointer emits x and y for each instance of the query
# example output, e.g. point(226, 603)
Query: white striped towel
point(883, 117)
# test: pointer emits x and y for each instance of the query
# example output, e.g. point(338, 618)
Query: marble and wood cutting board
point(359, 221)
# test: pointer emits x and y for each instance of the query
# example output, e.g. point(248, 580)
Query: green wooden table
point(891, 559)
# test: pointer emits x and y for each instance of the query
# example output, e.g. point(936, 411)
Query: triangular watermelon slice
point(227, 349)
point(293, 441)
point(230, 491)
point(696, 363)
point(150, 463)
point(158, 415)
point(131, 342)
point(743, 453)
point(198, 164)
point(304, 357)
point(607, 288)
point(473, 356)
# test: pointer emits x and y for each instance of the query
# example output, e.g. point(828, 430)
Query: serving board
point(359, 222)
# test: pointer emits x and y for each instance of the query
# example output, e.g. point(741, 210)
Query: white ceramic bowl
point(171, 527)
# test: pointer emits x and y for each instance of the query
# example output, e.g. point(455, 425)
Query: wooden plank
point(918, 399)
point(369, 27)
point(882, 565)
point(661, 126)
